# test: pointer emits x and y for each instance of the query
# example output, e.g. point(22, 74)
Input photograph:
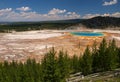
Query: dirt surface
point(34, 44)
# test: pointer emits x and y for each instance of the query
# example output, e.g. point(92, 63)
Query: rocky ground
point(108, 76)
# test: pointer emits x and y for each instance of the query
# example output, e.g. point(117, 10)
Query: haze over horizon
point(43, 10)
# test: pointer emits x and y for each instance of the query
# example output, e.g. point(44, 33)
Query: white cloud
point(106, 14)
point(72, 15)
point(23, 8)
point(9, 14)
point(112, 2)
point(87, 16)
point(68, 13)
point(56, 11)
point(4, 13)
point(117, 14)
point(6, 10)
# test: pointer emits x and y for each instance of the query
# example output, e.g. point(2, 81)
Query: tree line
point(29, 26)
point(56, 67)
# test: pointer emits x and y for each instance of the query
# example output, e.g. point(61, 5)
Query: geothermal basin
point(20, 46)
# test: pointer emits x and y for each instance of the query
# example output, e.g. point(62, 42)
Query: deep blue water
point(87, 33)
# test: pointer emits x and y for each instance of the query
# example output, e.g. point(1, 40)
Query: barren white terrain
point(21, 45)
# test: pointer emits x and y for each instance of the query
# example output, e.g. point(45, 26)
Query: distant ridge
point(94, 23)
point(36, 22)
point(101, 22)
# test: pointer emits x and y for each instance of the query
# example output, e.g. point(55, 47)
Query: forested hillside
point(101, 22)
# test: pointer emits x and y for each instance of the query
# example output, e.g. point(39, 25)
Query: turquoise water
point(87, 33)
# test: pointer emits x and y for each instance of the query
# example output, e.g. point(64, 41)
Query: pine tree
point(118, 49)
point(87, 62)
point(112, 55)
point(80, 63)
point(63, 65)
point(75, 64)
point(95, 57)
point(102, 55)
point(49, 67)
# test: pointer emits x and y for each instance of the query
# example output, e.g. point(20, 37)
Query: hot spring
point(87, 33)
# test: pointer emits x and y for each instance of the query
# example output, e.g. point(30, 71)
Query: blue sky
point(40, 10)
